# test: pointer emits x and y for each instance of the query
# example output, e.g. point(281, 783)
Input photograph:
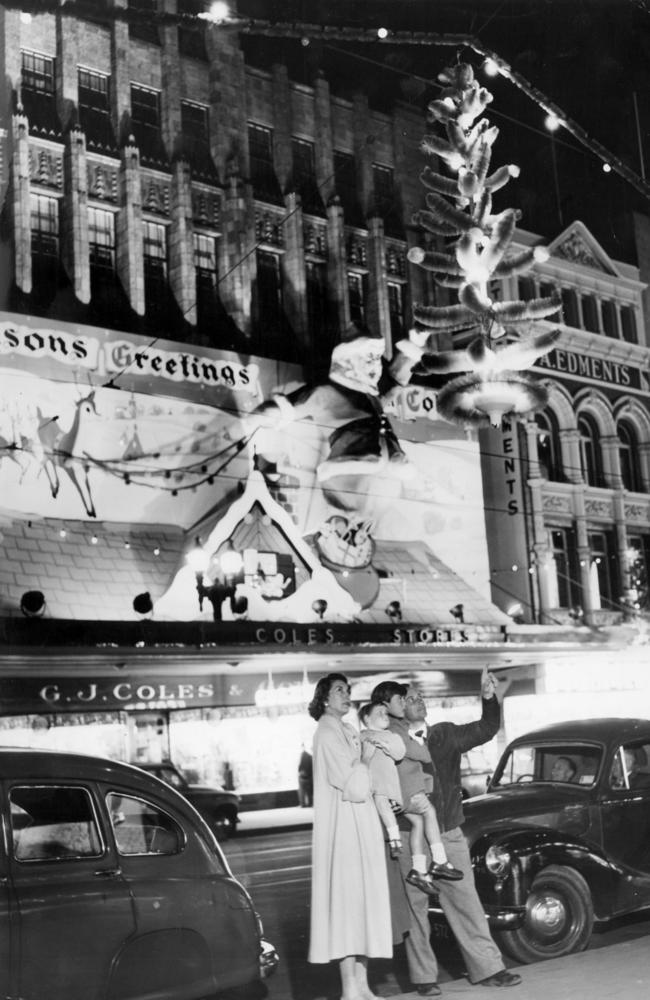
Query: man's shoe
point(428, 990)
point(446, 871)
point(503, 978)
point(422, 882)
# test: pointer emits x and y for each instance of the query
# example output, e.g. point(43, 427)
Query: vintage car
point(561, 839)
point(219, 808)
point(113, 886)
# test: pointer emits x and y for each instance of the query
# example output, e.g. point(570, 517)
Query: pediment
point(577, 245)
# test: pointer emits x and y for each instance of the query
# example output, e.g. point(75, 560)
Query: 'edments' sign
point(587, 366)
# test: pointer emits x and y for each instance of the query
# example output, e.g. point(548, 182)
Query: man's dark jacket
point(446, 742)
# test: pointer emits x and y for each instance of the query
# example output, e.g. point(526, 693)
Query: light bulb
point(382, 33)
point(490, 67)
point(607, 168)
point(552, 122)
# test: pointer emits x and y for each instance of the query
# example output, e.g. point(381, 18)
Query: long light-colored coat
point(350, 906)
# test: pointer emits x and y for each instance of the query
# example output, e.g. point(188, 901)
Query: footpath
point(613, 972)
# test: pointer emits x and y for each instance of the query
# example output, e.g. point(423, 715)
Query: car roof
point(580, 730)
point(23, 763)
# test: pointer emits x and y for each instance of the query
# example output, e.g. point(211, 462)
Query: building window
point(357, 297)
point(590, 456)
point(590, 319)
point(304, 175)
point(269, 288)
point(101, 238)
point(37, 91)
point(602, 570)
point(145, 121)
point(548, 447)
point(196, 136)
point(156, 292)
point(37, 73)
point(610, 321)
point(205, 263)
point(570, 310)
point(628, 324)
point(260, 148)
point(628, 449)
point(94, 107)
point(316, 297)
point(396, 310)
point(143, 25)
point(387, 199)
point(562, 585)
point(639, 569)
point(44, 225)
point(526, 288)
point(345, 180)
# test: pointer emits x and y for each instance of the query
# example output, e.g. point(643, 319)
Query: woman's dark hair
point(317, 704)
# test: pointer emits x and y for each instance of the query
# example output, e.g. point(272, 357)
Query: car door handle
point(108, 872)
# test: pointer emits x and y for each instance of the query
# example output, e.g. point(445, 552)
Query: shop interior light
point(33, 604)
point(143, 605)
point(394, 611)
point(230, 561)
point(319, 607)
point(458, 612)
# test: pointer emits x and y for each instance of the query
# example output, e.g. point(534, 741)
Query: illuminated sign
point(590, 367)
point(113, 354)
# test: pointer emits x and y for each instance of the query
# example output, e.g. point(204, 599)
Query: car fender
point(531, 850)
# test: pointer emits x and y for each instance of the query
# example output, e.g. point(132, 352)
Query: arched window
point(628, 450)
point(590, 456)
point(548, 447)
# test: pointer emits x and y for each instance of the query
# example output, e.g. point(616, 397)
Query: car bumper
point(269, 959)
point(502, 918)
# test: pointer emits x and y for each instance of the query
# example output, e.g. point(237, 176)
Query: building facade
point(190, 232)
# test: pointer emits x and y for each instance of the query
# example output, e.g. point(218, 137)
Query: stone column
point(120, 89)
point(170, 96)
point(609, 445)
point(584, 558)
point(570, 448)
point(282, 151)
point(182, 274)
point(337, 277)
point(292, 264)
point(228, 107)
point(74, 235)
point(236, 263)
point(324, 147)
point(67, 62)
point(364, 144)
point(20, 176)
point(377, 312)
point(130, 261)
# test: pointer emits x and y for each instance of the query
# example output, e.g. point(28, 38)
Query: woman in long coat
point(350, 908)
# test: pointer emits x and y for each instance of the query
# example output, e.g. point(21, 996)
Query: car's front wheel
point(559, 917)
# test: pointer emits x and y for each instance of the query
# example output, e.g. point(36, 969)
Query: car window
point(53, 822)
point(631, 767)
point(143, 828)
point(560, 763)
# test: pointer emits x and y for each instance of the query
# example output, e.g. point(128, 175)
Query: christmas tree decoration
point(477, 251)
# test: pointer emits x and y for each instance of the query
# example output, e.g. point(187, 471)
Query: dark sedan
point(112, 886)
point(561, 839)
point(219, 808)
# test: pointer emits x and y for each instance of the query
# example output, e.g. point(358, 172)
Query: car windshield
point(565, 763)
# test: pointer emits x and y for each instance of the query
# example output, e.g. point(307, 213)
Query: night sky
point(591, 58)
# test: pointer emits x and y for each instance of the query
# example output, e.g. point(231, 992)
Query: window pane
point(194, 121)
point(145, 107)
point(345, 180)
point(53, 822)
point(101, 237)
point(356, 292)
point(590, 314)
point(628, 323)
point(396, 311)
point(44, 225)
point(93, 90)
point(142, 828)
point(570, 312)
point(37, 72)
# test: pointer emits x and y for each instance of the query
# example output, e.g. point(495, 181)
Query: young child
point(387, 789)
point(389, 748)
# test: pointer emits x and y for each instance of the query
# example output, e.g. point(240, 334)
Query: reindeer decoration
point(58, 450)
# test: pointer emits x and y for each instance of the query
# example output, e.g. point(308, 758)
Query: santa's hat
point(356, 341)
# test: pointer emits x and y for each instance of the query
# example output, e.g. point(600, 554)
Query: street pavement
point(615, 972)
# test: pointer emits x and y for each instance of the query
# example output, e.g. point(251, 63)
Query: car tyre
point(559, 917)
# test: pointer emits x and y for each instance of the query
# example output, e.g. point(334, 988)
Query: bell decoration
point(475, 252)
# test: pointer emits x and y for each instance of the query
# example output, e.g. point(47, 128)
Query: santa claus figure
point(361, 443)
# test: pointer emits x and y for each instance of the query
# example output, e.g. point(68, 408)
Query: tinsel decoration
point(476, 251)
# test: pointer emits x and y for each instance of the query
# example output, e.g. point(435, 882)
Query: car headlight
point(497, 860)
